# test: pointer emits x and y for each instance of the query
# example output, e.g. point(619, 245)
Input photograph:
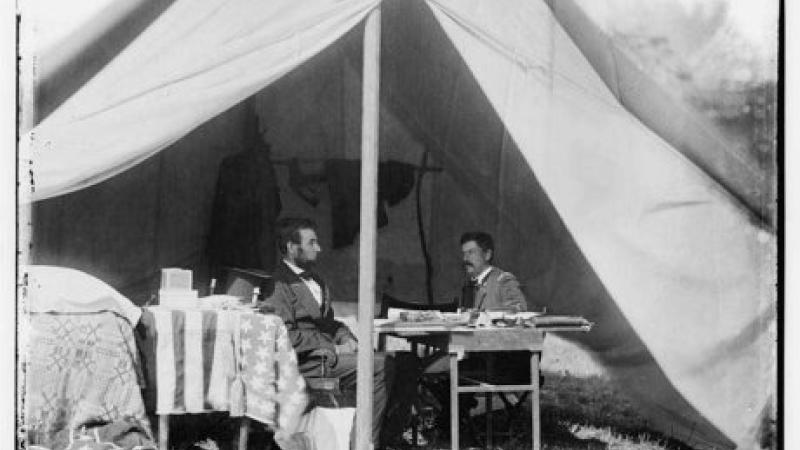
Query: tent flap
point(597, 210)
point(169, 81)
point(682, 261)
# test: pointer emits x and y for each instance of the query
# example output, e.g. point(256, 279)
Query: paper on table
point(525, 315)
point(409, 315)
point(383, 322)
point(220, 301)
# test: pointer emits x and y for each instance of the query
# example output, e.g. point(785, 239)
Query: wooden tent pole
point(367, 240)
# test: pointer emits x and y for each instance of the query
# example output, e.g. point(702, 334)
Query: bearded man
point(302, 299)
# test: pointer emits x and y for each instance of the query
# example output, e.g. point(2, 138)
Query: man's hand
point(347, 346)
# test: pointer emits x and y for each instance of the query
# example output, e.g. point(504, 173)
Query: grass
point(593, 409)
point(620, 441)
point(581, 409)
point(577, 413)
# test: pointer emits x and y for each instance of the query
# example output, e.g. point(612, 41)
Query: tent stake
point(367, 238)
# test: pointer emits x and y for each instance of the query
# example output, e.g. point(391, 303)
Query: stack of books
point(176, 289)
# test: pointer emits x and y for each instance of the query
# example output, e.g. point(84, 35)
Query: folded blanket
point(561, 322)
point(65, 290)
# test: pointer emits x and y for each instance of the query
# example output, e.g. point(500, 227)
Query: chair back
point(387, 301)
point(241, 282)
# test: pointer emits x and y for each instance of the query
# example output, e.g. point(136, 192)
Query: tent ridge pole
point(368, 231)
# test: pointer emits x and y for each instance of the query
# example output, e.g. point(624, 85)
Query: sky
point(755, 19)
point(696, 28)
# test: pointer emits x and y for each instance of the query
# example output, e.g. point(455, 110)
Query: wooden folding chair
point(387, 301)
point(323, 390)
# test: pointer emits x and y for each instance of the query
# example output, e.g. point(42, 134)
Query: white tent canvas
point(598, 212)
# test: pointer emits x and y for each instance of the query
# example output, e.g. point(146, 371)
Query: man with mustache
point(302, 299)
point(487, 287)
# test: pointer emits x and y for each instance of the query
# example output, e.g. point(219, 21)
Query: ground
point(581, 409)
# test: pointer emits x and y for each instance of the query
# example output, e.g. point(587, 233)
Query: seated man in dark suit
point(301, 298)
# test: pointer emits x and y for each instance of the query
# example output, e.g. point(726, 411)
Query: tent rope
point(421, 228)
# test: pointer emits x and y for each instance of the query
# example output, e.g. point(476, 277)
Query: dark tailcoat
point(310, 325)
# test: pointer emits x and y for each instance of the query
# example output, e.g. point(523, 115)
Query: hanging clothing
point(395, 181)
point(246, 205)
point(305, 185)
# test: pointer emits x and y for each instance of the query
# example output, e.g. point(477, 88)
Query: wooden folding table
point(459, 341)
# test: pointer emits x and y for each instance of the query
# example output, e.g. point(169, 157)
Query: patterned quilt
point(81, 379)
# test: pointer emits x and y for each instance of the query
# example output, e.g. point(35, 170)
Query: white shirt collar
point(295, 269)
point(479, 279)
point(313, 286)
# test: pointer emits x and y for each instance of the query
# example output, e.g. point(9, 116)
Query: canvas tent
point(644, 223)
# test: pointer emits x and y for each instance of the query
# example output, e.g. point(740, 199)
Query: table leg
point(453, 401)
point(488, 399)
point(535, 416)
point(163, 431)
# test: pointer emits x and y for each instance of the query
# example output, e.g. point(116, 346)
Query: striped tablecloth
point(222, 360)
